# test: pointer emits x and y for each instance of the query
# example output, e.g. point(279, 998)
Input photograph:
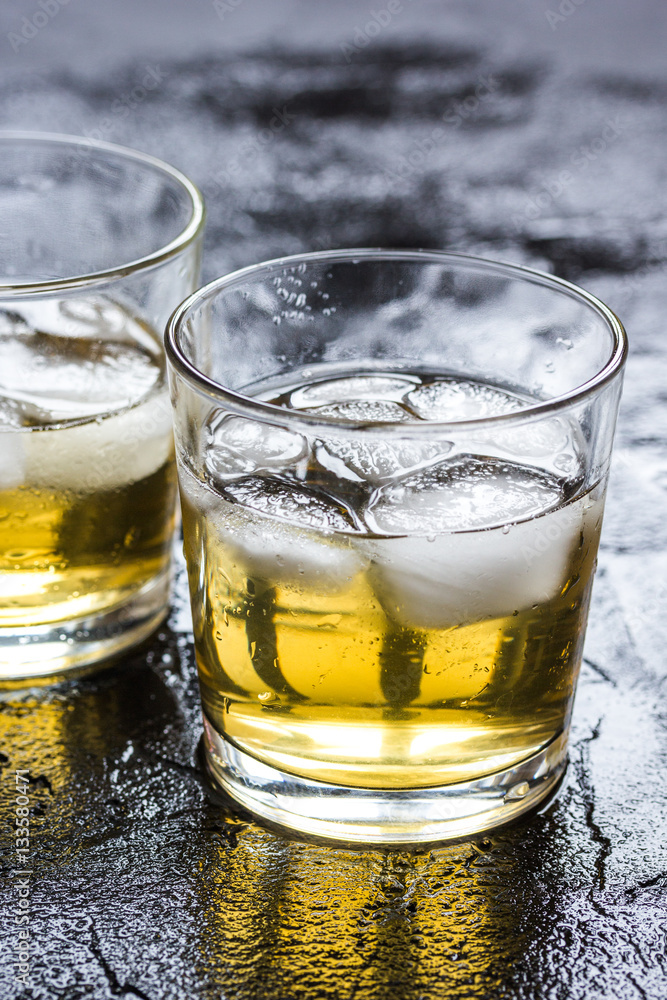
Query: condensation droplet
point(517, 791)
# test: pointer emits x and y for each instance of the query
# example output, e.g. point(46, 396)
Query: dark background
point(142, 885)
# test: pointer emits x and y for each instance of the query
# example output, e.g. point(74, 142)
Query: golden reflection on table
point(289, 918)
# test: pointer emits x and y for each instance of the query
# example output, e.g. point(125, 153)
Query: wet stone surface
point(142, 884)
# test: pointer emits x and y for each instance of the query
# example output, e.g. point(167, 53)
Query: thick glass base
point(384, 816)
point(50, 653)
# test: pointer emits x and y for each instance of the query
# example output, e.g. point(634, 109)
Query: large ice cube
point(370, 388)
point(443, 581)
point(292, 503)
point(555, 444)
point(70, 363)
point(59, 377)
point(551, 442)
point(461, 495)
point(376, 461)
point(280, 533)
point(439, 577)
point(367, 411)
point(237, 445)
point(105, 453)
point(461, 399)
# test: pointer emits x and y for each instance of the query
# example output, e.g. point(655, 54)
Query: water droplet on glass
point(517, 791)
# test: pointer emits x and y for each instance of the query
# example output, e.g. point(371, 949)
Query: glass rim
point(239, 403)
point(163, 253)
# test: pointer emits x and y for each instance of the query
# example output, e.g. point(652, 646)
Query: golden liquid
point(327, 679)
point(66, 554)
point(87, 494)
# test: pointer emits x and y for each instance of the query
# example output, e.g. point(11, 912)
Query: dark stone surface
point(144, 885)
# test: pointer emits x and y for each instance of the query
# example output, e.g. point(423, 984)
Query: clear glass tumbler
point(98, 244)
point(392, 468)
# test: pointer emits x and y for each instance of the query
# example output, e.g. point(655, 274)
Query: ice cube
point(12, 450)
point(267, 534)
point(292, 503)
point(237, 445)
point(536, 439)
point(469, 493)
point(377, 461)
point(106, 453)
point(374, 459)
point(94, 316)
point(86, 360)
point(451, 579)
point(366, 411)
point(461, 399)
point(554, 443)
point(370, 388)
point(59, 377)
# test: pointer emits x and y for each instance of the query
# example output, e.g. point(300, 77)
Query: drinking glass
point(392, 468)
point(98, 244)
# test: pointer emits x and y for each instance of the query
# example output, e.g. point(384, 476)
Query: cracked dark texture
point(146, 885)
